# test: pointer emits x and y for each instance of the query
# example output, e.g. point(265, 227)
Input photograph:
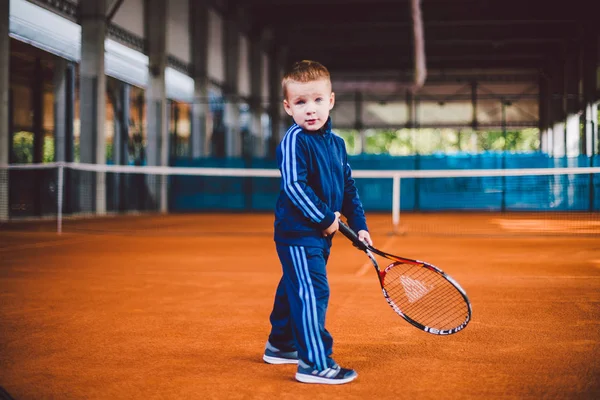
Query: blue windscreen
point(512, 193)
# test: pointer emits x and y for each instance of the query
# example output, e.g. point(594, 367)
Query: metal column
point(5, 134)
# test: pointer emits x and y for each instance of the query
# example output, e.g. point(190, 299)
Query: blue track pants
point(298, 316)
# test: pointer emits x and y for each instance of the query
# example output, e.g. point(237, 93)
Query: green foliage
point(48, 155)
point(382, 142)
point(23, 150)
point(446, 140)
point(525, 140)
point(22, 147)
point(109, 151)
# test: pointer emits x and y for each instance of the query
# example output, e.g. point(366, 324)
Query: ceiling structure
point(521, 63)
point(374, 37)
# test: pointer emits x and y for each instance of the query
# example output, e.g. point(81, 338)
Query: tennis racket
point(419, 292)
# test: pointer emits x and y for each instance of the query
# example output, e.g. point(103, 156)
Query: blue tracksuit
point(316, 182)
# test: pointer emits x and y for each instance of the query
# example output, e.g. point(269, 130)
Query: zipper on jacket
point(328, 142)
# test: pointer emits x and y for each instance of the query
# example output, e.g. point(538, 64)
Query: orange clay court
point(177, 307)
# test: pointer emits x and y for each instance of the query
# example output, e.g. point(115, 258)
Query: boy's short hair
point(304, 71)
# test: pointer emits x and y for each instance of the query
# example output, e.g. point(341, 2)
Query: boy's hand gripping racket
point(419, 292)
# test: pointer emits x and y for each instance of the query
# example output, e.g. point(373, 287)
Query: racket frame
point(369, 250)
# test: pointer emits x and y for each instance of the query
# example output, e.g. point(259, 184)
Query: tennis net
point(64, 196)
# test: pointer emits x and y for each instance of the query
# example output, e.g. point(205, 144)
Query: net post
point(61, 178)
point(396, 204)
point(164, 199)
point(4, 196)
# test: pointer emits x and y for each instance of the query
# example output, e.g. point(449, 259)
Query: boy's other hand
point(335, 225)
point(364, 236)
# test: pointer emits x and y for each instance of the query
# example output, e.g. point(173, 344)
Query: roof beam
point(473, 12)
point(372, 62)
point(359, 25)
point(113, 10)
point(464, 32)
point(442, 53)
point(534, 44)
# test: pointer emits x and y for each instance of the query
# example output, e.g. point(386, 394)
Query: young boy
point(316, 186)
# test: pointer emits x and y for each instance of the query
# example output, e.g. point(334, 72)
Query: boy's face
point(309, 103)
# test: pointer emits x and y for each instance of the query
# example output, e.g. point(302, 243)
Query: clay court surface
point(177, 307)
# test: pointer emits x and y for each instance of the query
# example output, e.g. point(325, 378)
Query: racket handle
point(350, 234)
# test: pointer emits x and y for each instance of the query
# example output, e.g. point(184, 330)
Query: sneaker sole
point(278, 360)
point(305, 378)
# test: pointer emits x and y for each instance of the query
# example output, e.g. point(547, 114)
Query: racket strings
point(428, 312)
point(429, 309)
point(430, 306)
point(440, 309)
point(425, 296)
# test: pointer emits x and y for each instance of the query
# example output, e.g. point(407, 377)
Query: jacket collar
point(325, 129)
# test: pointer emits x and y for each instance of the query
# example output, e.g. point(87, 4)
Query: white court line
point(368, 265)
point(556, 277)
point(43, 244)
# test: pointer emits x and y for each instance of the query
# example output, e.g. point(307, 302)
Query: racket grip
point(350, 234)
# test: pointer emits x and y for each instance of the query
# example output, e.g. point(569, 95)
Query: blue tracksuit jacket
point(316, 182)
